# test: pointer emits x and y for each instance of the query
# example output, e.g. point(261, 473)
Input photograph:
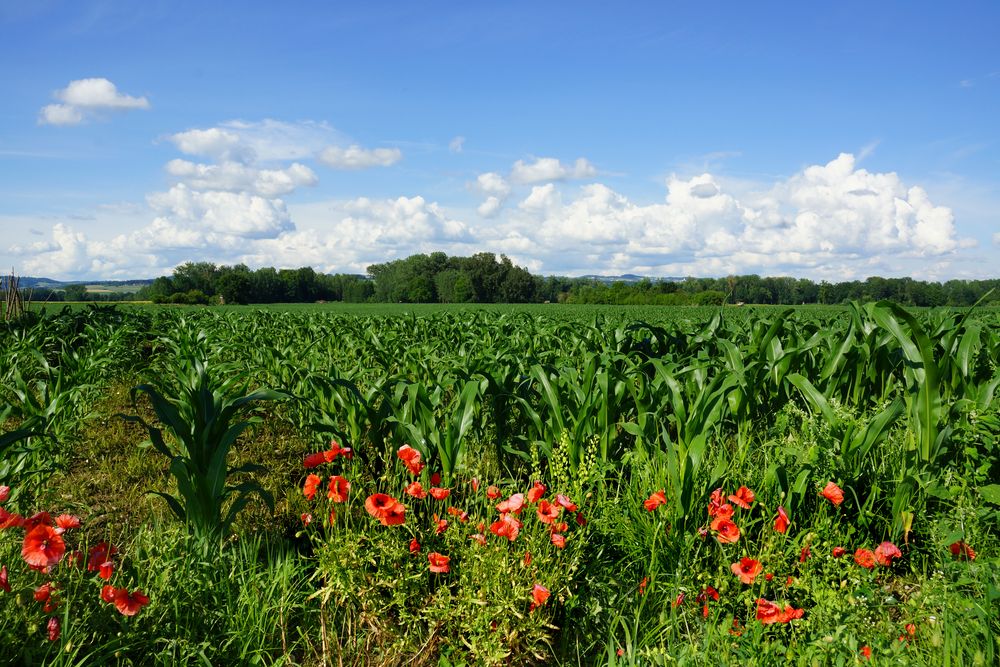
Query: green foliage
point(198, 410)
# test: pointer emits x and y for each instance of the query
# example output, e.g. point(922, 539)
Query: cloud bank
point(835, 221)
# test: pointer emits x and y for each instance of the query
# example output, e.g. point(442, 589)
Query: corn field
point(901, 406)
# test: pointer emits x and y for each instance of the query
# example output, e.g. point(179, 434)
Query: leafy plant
point(199, 411)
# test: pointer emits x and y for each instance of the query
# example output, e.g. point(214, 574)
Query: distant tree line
point(783, 290)
point(204, 282)
point(484, 278)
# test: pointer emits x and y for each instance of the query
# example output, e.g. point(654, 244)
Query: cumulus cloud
point(456, 144)
point(831, 221)
point(828, 219)
point(267, 140)
point(237, 177)
point(550, 169)
point(86, 98)
point(356, 157)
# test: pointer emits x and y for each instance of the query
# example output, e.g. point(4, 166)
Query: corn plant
point(199, 411)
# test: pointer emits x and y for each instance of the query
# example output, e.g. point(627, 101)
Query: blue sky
point(831, 142)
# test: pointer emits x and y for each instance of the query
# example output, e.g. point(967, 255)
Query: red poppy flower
point(580, 520)
point(331, 517)
point(53, 629)
point(338, 489)
point(313, 460)
point(9, 520)
point(768, 612)
point(962, 551)
point(743, 497)
point(864, 558)
point(548, 512)
point(565, 502)
point(475, 484)
point(789, 614)
point(411, 458)
point(461, 515)
point(769, 576)
point(507, 526)
point(833, 493)
point(107, 569)
point(396, 516)
point(867, 652)
point(746, 569)
point(804, 554)
point(416, 489)
point(441, 525)
point(678, 601)
point(642, 585)
point(44, 592)
point(108, 593)
point(492, 492)
point(728, 532)
point(559, 527)
point(129, 604)
point(708, 593)
point(479, 538)
point(309, 488)
point(781, 522)
point(839, 551)
point(99, 553)
point(42, 546)
point(559, 541)
point(438, 562)
point(306, 518)
point(385, 508)
point(885, 552)
point(526, 561)
point(4, 582)
point(65, 522)
point(4, 493)
point(655, 500)
point(38, 519)
point(513, 504)
point(536, 492)
point(414, 546)
point(335, 451)
point(439, 494)
point(789, 581)
point(539, 595)
point(435, 479)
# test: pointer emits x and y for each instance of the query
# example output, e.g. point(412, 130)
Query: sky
point(831, 141)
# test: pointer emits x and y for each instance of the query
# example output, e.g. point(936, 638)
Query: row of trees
point(484, 278)
point(783, 290)
point(437, 278)
point(204, 282)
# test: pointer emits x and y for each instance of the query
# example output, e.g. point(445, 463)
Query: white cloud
point(356, 157)
point(550, 169)
point(996, 238)
point(456, 144)
point(237, 177)
point(828, 220)
point(267, 140)
point(491, 183)
point(490, 207)
point(832, 221)
point(85, 98)
point(60, 114)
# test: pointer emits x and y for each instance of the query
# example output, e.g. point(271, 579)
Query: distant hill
point(631, 278)
point(29, 282)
